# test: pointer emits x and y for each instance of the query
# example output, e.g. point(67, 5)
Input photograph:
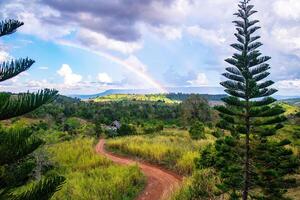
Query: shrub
point(111, 133)
point(218, 133)
point(203, 185)
point(200, 186)
point(207, 157)
point(126, 129)
point(153, 129)
point(71, 125)
point(197, 131)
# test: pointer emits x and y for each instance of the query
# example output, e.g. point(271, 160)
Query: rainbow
point(139, 72)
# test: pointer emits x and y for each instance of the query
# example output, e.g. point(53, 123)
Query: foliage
point(218, 133)
point(197, 131)
point(92, 176)
point(18, 144)
point(130, 112)
point(136, 97)
point(71, 125)
point(195, 108)
point(126, 129)
point(200, 186)
point(251, 162)
point(171, 148)
point(151, 129)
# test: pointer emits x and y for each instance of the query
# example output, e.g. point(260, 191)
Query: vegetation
point(250, 161)
point(136, 97)
point(92, 176)
point(197, 131)
point(171, 98)
point(18, 144)
point(247, 147)
point(195, 108)
point(171, 148)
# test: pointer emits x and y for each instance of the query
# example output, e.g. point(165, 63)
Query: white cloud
point(4, 56)
point(96, 41)
point(104, 78)
point(287, 9)
point(201, 80)
point(169, 32)
point(289, 84)
point(207, 36)
point(287, 39)
point(70, 79)
point(43, 68)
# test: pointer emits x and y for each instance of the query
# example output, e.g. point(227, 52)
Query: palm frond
point(41, 190)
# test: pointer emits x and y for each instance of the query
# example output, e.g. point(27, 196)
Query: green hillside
point(136, 97)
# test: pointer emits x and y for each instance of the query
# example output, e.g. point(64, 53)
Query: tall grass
point(172, 148)
point(92, 176)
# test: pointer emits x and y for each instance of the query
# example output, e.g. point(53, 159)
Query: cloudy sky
point(89, 46)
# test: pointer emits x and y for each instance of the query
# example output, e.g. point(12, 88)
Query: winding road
point(160, 183)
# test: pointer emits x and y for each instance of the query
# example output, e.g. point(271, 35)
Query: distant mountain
point(184, 90)
point(293, 101)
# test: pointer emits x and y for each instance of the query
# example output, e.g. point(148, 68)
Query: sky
point(86, 47)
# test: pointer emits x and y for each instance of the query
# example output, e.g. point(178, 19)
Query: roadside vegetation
point(92, 176)
point(172, 148)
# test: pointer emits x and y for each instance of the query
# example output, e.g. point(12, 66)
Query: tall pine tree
point(251, 161)
point(18, 144)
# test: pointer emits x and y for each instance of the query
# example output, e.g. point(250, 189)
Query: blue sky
point(85, 48)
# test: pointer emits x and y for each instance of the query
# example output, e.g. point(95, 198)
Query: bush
point(200, 186)
point(153, 129)
point(197, 131)
point(111, 133)
point(207, 157)
point(203, 185)
point(126, 129)
point(218, 133)
point(71, 125)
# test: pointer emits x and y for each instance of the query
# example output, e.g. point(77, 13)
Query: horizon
point(81, 49)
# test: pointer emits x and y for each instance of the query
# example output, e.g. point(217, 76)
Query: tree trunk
point(247, 160)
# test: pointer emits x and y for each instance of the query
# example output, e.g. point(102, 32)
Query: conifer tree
point(18, 144)
point(252, 163)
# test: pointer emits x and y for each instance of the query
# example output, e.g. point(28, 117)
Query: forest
point(240, 145)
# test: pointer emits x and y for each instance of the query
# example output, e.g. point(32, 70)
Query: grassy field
point(172, 148)
point(136, 97)
point(91, 176)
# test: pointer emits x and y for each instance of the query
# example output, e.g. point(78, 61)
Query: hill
point(166, 98)
point(293, 101)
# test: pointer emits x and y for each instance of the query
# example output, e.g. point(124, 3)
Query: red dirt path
point(160, 183)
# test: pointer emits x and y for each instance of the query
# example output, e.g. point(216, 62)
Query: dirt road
point(160, 183)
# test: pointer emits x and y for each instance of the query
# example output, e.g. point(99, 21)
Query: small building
point(116, 124)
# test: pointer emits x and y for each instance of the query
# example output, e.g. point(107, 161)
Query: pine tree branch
point(21, 104)
point(264, 102)
point(9, 26)
point(13, 68)
point(20, 140)
point(259, 69)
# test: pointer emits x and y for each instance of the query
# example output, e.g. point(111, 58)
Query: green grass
point(290, 109)
point(136, 97)
point(92, 176)
point(172, 148)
